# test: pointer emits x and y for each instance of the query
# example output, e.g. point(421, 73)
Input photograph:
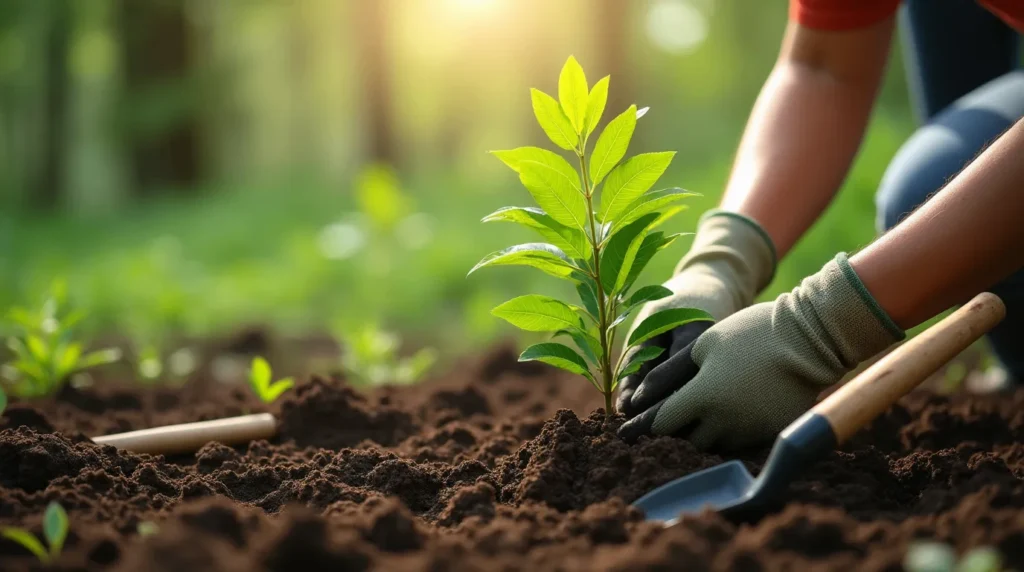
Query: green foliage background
point(293, 222)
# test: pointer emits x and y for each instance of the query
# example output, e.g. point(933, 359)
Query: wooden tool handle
point(869, 394)
point(189, 437)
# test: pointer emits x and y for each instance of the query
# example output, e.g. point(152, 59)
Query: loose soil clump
point(499, 466)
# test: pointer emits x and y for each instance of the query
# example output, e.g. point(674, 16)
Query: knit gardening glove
point(750, 375)
point(730, 261)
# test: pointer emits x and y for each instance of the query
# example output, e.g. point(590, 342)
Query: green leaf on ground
point(28, 541)
point(55, 527)
point(664, 321)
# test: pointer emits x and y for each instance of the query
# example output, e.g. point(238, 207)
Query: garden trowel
point(731, 490)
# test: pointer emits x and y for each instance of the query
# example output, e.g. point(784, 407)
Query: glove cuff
point(734, 249)
point(848, 321)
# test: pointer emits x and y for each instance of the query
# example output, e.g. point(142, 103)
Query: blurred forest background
point(192, 166)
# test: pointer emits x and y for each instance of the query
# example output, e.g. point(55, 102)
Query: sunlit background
point(191, 167)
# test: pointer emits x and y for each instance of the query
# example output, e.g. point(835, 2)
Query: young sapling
point(598, 220)
point(44, 353)
point(55, 530)
point(260, 379)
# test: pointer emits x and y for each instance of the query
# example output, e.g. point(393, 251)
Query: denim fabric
point(967, 90)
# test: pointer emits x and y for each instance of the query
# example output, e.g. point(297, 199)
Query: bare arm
point(964, 240)
point(805, 128)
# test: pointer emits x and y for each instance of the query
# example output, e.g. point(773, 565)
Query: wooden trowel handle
point(869, 394)
point(189, 437)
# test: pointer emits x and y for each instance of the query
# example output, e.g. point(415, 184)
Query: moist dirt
point(495, 466)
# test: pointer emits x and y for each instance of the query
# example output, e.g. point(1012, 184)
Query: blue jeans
point(967, 90)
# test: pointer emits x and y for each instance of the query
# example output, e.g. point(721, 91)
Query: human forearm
point(964, 240)
point(805, 128)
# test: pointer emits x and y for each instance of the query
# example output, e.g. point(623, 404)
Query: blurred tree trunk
point(50, 176)
point(613, 24)
point(371, 22)
point(163, 129)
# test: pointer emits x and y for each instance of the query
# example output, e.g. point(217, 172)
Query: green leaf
point(99, 357)
point(558, 355)
point(67, 362)
point(55, 527)
point(260, 374)
point(573, 93)
point(274, 390)
point(620, 252)
point(589, 345)
point(638, 359)
point(27, 540)
point(536, 313)
point(651, 245)
point(650, 202)
point(596, 102)
point(539, 255)
point(572, 241)
point(647, 294)
point(632, 178)
point(553, 120)
point(22, 317)
point(664, 321)
point(612, 144)
point(38, 349)
point(588, 297)
point(552, 181)
point(3, 400)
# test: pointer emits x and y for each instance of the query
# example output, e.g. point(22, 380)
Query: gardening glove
point(730, 261)
point(752, 374)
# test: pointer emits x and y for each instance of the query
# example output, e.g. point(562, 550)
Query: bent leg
point(934, 155)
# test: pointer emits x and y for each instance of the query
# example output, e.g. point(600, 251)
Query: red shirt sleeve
point(840, 14)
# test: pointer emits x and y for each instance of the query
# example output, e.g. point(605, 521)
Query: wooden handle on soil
point(869, 394)
point(189, 437)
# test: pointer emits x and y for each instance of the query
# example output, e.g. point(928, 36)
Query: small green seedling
point(599, 245)
point(260, 377)
point(44, 353)
point(55, 530)
point(928, 556)
point(370, 356)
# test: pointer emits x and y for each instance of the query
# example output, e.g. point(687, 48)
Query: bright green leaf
point(632, 178)
point(260, 373)
point(536, 313)
point(28, 541)
point(612, 144)
point(589, 345)
point(573, 93)
point(552, 181)
point(274, 390)
point(38, 348)
point(68, 359)
point(539, 255)
point(572, 241)
point(663, 321)
point(558, 355)
point(620, 251)
point(55, 527)
point(650, 202)
point(652, 244)
point(596, 102)
point(648, 294)
point(553, 120)
point(638, 359)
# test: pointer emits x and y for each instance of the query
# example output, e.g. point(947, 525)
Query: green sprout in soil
point(44, 352)
point(55, 530)
point(261, 380)
point(371, 357)
point(600, 245)
point(928, 556)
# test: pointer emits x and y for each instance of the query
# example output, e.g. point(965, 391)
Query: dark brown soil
point(500, 466)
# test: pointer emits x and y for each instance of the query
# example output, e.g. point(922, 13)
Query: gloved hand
point(747, 377)
point(730, 261)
